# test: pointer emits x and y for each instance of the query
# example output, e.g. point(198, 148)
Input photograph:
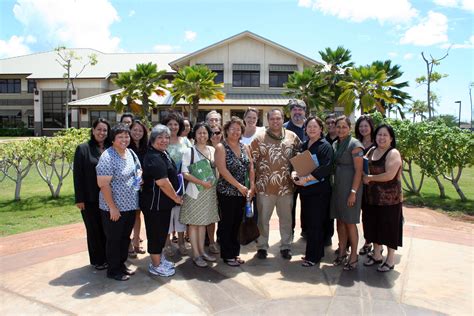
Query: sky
point(399, 30)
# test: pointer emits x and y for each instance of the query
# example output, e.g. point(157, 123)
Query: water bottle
point(248, 208)
point(137, 179)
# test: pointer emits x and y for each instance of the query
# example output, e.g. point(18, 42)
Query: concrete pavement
point(47, 272)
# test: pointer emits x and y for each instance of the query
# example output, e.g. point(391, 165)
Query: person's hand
point(365, 179)
point(178, 200)
point(81, 206)
point(206, 184)
point(294, 174)
point(243, 190)
point(114, 215)
point(351, 200)
point(251, 192)
point(301, 181)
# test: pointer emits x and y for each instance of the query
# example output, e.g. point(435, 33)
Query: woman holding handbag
point(234, 162)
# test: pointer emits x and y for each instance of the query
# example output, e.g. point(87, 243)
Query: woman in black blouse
point(315, 191)
point(234, 163)
point(86, 190)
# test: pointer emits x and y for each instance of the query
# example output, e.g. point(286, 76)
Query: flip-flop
point(385, 267)
point(232, 262)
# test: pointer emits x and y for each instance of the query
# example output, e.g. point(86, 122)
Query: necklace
point(273, 136)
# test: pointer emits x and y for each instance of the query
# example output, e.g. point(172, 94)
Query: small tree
point(194, 83)
point(430, 78)
point(418, 108)
point(67, 58)
point(16, 159)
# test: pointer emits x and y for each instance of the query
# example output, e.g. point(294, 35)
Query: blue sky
point(372, 29)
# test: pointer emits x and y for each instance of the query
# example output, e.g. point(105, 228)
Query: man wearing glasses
point(330, 121)
point(214, 118)
point(296, 125)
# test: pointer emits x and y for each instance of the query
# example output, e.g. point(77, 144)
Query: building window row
point(54, 109)
point(248, 75)
point(110, 116)
point(10, 86)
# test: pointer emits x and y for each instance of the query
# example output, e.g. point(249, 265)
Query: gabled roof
point(183, 60)
point(44, 65)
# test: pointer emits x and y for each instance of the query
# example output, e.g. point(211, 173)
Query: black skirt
point(383, 224)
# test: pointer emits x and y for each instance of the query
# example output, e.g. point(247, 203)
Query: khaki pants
point(265, 205)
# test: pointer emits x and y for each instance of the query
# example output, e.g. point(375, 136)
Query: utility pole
point(459, 124)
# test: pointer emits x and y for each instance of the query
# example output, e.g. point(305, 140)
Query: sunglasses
point(216, 133)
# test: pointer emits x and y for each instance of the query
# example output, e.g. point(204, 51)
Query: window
point(220, 76)
point(241, 78)
point(54, 109)
point(110, 116)
point(31, 86)
point(278, 78)
point(31, 121)
point(10, 86)
point(10, 119)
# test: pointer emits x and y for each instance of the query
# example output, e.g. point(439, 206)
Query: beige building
point(253, 70)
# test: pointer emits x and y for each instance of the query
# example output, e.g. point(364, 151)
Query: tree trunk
point(442, 193)
point(194, 112)
point(410, 184)
point(18, 186)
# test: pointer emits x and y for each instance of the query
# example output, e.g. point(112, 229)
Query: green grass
point(36, 209)
point(452, 204)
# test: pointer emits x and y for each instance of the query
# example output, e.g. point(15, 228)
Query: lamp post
point(459, 124)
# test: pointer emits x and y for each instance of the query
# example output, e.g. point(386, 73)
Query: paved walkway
point(47, 272)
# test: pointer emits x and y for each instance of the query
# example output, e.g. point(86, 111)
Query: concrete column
point(38, 115)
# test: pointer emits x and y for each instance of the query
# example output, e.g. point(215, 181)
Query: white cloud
point(467, 44)
point(15, 46)
point(190, 36)
point(467, 5)
point(165, 48)
point(73, 23)
point(394, 11)
point(305, 3)
point(408, 56)
point(392, 54)
point(431, 30)
point(131, 13)
point(30, 39)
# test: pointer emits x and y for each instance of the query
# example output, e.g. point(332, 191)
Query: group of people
point(126, 170)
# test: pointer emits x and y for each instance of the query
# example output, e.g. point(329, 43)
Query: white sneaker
point(161, 270)
point(166, 262)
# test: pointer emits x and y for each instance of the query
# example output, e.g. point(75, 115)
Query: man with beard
point(296, 125)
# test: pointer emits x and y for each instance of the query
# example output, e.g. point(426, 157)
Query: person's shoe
point(139, 250)
point(286, 254)
point(199, 261)
point(174, 239)
point(304, 235)
point(351, 265)
point(169, 251)
point(213, 248)
point(372, 261)
point(339, 260)
point(365, 249)
point(119, 277)
point(385, 267)
point(166, 262)
point(232, 262)
point(101, 266)
point(209, 258)
point(182, 250)
point(128, 271)
point(132, 254)
point(262, 254)
point(161, 270)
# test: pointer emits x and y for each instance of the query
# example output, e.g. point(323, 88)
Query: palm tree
point(369, 86)
point(310, 86)
point(139, 85)
point(393, 73)
point(418, 108)
point(337, 68)
point(193, 83)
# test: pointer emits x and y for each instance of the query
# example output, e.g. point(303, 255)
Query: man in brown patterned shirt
point(271, 153)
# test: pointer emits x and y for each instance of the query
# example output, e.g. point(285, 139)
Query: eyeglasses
point(330, 122)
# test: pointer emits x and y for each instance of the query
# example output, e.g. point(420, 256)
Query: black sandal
point(365, 249)
point(339, 260)
point(351, 265)
point(239, 260)
point(101, 266)
point(372, 261)
point(307, 263)
point(232, 262)
point(385, 267)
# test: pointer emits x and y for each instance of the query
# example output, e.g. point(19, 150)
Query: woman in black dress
point(315, 191)
point(86, 190)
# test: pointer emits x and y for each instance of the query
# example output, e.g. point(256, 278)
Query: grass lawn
point(452, 204)
point(38, 210)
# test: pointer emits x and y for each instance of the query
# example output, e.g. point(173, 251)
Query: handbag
point(248, 231)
